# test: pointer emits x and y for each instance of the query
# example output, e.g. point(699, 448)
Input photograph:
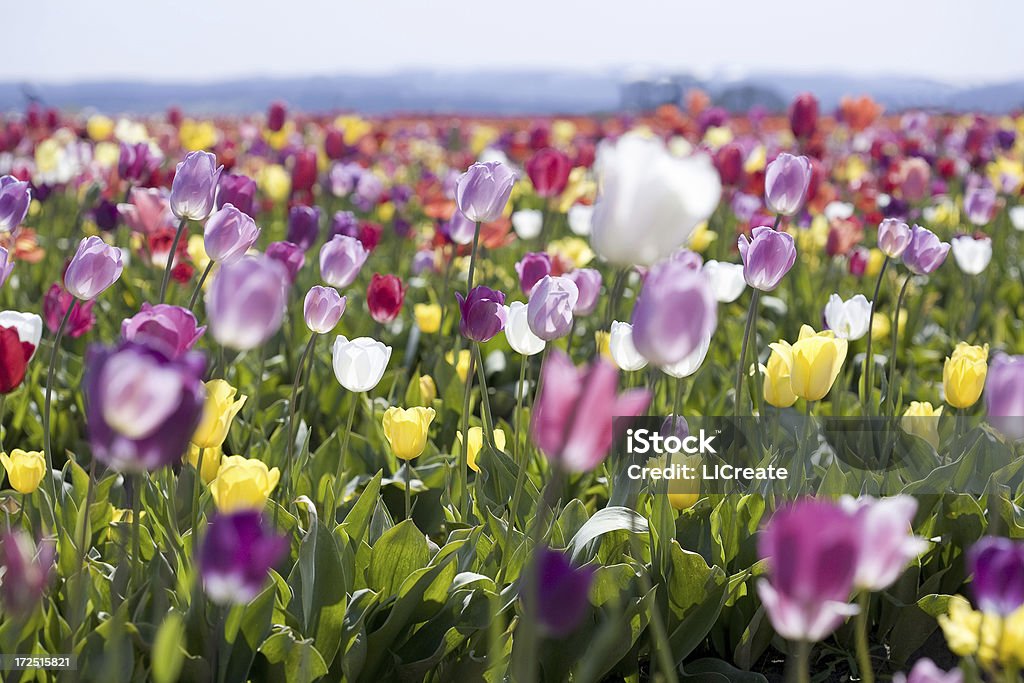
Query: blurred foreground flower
point(674, 313)
point(236, 556)
point(997, 567)
point(246, 302)
point(1004, 395)
point(559, 594)
point(26, 571)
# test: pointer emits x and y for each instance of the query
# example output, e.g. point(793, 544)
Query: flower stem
point(743, 351)
point(196, 490)
point(199, 286)
point(292, 406)
point(47, 438)
point(408, 483)
point(344, 439)
point(867, 675)
point(869, 360)
point(464, 451)
point(890, 398)
point(137, 484)
point(484, 398)
point(170, 259)
point(472, 259)
point(799, 663)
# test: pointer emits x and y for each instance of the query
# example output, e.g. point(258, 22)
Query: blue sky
point(203, 40)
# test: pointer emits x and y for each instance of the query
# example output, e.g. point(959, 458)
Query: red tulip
point(803, 115)
point(729, 162)
point(384, 297)
point(304, 171)
point(549, 171)
point(14, 357)
point(276, 115)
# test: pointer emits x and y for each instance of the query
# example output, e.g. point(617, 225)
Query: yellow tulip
point(476, 442)
point(717, 136)
point(462, 366)
point(921, 420)
point(428, 389)
point(353, 128)
point(385, 212)
point(275, 182)
point(874, 265)
point(701, 238)
point(106, 154)
point(573, 249)
point(562, 132)
point(428, 317)
point(603, 341)
point(218, 412)
point(197, 253)
point(243, 484)
point(963, 375)
point(99, 127)
point(988, 637)
point(25, 469)
point(211, 461)
point(406, 430)
point(197, 135)
point(682, 493)
point(815, 362)
point(778, 390)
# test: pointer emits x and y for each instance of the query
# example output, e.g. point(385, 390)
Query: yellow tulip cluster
point(993, 640)
point(476, 442)
point(806, 369)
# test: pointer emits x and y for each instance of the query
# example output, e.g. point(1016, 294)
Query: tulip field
point(686, 396)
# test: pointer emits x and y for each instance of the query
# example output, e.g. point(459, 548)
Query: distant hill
point(504, 92)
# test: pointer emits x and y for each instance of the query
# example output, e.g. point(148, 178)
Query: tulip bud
point(963, 375)
point(483, 191)
point(997, 565)
point(195, 186)
point(243, 484)
point(428, 317)
point(518, 333)
point(767, 257)
point(893, 237)
point(323, 308)
point(170, 329)
point(246, 302)
point(726, 280)
point(95, 266)
point(1004, 395)
point(483, 313)
point(25, 469)
point(277, 112)
point(925, 252)
point(972, 254)
point(549, 312)
point(588, 284)
point(531, 268)
point(384, 297)
point(236, 555)
point(476, 443)
point(290, 256)
point(341, 259)
point(623, 350)
point(803, 115)
point(229, 234)
point(359, 364)
point(236, 189)
point(304, 171)
point(786, 181)
point(980, 204)
point(675, 311)
point(848, 319)
point(921, 420)
point(219, 411)
point(303, 225)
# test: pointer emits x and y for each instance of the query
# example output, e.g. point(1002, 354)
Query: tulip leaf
point(399, 552)
point(605, 521)
point(168, 653)
point(292, 659)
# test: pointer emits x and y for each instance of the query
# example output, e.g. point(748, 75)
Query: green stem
point(292, 406)
point(345, 438)
point(867, 674)
point(138, 482)
point(170, 259)
point(47, 438)
point(472, 259)
point(199, 286)
point(869, 360)
point(890, 394)
point(408, 483)
point(800, 663)
point(196, 490)
point(743, 351)
point(484, 398)
point(255, 410)
point(464, 451)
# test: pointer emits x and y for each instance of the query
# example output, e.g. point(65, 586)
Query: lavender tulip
point(195, 186)
point(344, 223)
point(228, 234)
point(812, 549)
point(289, 255)
point(141, 405)
point(303, 225)
point(997, 565)
point(766, 258)
point(675, 312)
point(588, 283)
point(925, 671)
point(559, 593)
point(785, 183)
point(980, 204)
point(26, 571)
point(886, 528)
point(483, 191)
point(15, 197)
point(170, 329)
point(323, 308)
point(94, 267)
point(246, 302)
point(1004, 395)
point(531, 268)
point(6, 265)
point(459, 229)
point(925, 253)
point(341, 259)
point(239, 190)
point(893, 237)
point(549, 312)
point(483, 313)
point(236, 556)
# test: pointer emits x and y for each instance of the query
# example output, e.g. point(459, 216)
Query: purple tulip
point(549, 312)
point(369, 189)
point(6, 265)
point(303, 225)
point(572, 418)
point(811, 548)
point(94, 267)
point(323, 308)
point(237, 189)
point(459, 229)
point(925, 253)
point(423, 262)
point(997, 565)
point(687, 257)
point(341, 259)
point(15, 197)
point(236, 556)
point(588, 283)
point(170, 329)
point(288, 255)
point(1004, 395)
point(483, 313)
point(767, 257)
point(141, 406)
point(344, 223)
point(886, 527)
point(980, 204)
point(785, 183)
point(483, 191)
point(675, 312)
point(531, 268)
point(675, 425)
point(137, 163)
point(246, 302)
point(228, 234)
point(559, 593)
point(194, 187)
point(26, 571)
point(893, 237)
point(925, 671)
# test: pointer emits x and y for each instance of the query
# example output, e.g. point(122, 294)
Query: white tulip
point(691, 363)
point(527, 223)
point(581, 217)
point(649, 200)
point(972, 255)
point(727, 280)
point(518, 333)
point(29, 327)
point(624, 353)
point(848, 319)
point(1017, 217)
point(359, 364)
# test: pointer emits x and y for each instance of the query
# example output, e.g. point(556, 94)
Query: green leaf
point(397, 554)
point(294, 659)
point(603, 522)
point(168, 654)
